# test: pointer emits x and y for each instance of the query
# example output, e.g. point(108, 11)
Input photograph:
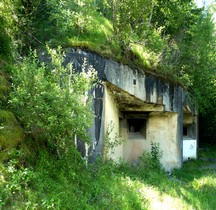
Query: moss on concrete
point(11, 134)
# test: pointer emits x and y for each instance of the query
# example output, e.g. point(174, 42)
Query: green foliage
point(156, 153)
point(4, 89)
point(151, 160)
point(111, 140)
point(59, 184)
point(168, 37)
point(166, 30)
point(133, 20)
point(7, 30)
point(67, 15)
point(15, 183)
point(4, 39)
point(51, 103)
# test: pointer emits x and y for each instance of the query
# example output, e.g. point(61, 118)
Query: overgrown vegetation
point(56, 184)
point(111, 141)
point(51, 102)
point(169, 38)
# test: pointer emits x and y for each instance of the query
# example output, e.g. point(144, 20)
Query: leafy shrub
point(151, 160)
point(111, 140)
point(15, 186)
point(51, 101)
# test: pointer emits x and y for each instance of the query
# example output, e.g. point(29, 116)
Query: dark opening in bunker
point(189, 131)
point(136, 124)
point(137, 127)
point(134, 82)
point(185, 131)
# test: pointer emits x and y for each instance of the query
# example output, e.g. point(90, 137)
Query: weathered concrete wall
point(133, 149)
point(146, 88)
point(97, 130)
point(188, 119)
point(111, 127)
point(189, 149)
point(163, 129)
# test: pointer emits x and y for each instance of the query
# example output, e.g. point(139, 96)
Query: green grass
point(58, 184)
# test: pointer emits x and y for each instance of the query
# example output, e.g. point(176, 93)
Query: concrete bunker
point(140, 124)
point(142, 108)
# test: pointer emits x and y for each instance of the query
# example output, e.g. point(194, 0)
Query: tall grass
point(63, 184)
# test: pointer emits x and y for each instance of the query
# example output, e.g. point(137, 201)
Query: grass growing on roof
point(97, 36)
